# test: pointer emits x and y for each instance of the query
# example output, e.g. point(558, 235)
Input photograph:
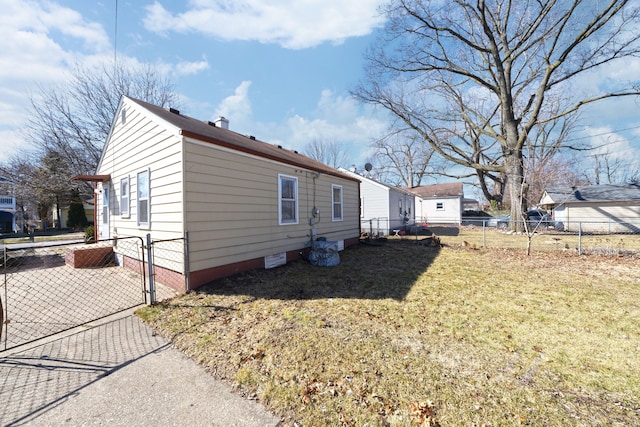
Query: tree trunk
point(515, 181)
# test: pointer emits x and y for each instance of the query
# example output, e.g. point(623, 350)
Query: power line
point(602, 134)
point(115, 37)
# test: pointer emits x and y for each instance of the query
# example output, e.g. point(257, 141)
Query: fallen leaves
point(423, 414)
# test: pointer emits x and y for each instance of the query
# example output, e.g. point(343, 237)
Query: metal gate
point(51, 287)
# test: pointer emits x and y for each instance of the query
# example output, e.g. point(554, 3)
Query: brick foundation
point(88, 256)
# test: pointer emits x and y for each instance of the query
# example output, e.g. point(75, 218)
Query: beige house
point(244, 203)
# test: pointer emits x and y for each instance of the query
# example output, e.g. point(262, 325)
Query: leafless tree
point(74, 118)
point(403, 157)
point(329, 152)
point(476, 78)
point(610, 168)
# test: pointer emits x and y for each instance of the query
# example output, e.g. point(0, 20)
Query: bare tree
point(608, 168)
point(73, 119)
point(476, 78)
point(329, 152)
point(403, 157)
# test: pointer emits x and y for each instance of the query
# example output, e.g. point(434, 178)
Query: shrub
point(89, 234)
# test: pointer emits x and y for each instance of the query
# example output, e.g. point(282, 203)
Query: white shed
point(439, 204)
point(383, 207)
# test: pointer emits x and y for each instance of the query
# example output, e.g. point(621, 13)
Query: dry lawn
point(404, 334)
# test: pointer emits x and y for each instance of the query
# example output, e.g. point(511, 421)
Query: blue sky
point(281, 73)
point(280, 70)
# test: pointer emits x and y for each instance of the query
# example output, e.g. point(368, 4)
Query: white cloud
point(188, 68)
point(336, 118)
point(30, 55)
point(290, 23)
point(606, 141)
point(13, 144)
point(236, 107)
point(339, 119)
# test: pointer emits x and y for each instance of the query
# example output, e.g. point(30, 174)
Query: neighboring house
point(89, 208)
point(244, 203)
point(594, 208)
point(439, 203)
point(470, 205)
point(7, 207)
point(383, 208)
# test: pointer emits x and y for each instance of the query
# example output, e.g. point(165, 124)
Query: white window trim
point(125, 197)
point(295, 199)
point(439, 208)
point(148, 199)
point(333, 203)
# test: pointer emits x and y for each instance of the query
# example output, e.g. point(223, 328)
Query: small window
point(400, 207)
point(336, 200)
point(440, 206)
point(143, 198)
point(124, 197)
point(287, 199)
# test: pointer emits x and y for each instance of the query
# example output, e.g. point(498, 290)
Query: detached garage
point(595, 208)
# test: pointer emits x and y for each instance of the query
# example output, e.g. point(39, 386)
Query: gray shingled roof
point(595, 193)
point(438, 190)
point(207, 132)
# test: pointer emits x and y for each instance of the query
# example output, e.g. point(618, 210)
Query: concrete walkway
point(116, 373)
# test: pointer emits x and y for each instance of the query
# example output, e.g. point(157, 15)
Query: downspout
point(95, 212)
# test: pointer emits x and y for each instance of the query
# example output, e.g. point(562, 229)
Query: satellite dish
point(368, 166)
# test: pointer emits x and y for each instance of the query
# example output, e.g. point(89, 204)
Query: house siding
point(451, 212)
point(396, 219)
point(226, 199)
point(606, 217)
point(380, 209)
point(137, 145)
point(140, 144)
point(237, 207)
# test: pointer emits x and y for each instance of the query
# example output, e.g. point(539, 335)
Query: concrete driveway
point(116, 373)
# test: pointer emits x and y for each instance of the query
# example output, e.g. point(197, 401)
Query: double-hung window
point(287, 199)
point(336, 200)
point(124, 197)
point(142, 191)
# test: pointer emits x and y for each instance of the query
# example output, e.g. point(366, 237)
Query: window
point(336, 200)
point(440, 206)
point(124, 197)
point(400, 207)
point(143, 198)
point(287, 199)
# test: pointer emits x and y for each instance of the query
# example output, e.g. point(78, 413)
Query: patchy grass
point(404, 334)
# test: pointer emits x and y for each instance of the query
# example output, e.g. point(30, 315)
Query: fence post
point(579, 238)
point(152, 285)
point(186, 262)
point(484, 234)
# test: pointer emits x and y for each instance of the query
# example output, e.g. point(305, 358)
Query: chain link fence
point(610, 237)
point(50, 287)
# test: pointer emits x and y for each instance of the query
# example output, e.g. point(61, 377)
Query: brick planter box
point(88, 256)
